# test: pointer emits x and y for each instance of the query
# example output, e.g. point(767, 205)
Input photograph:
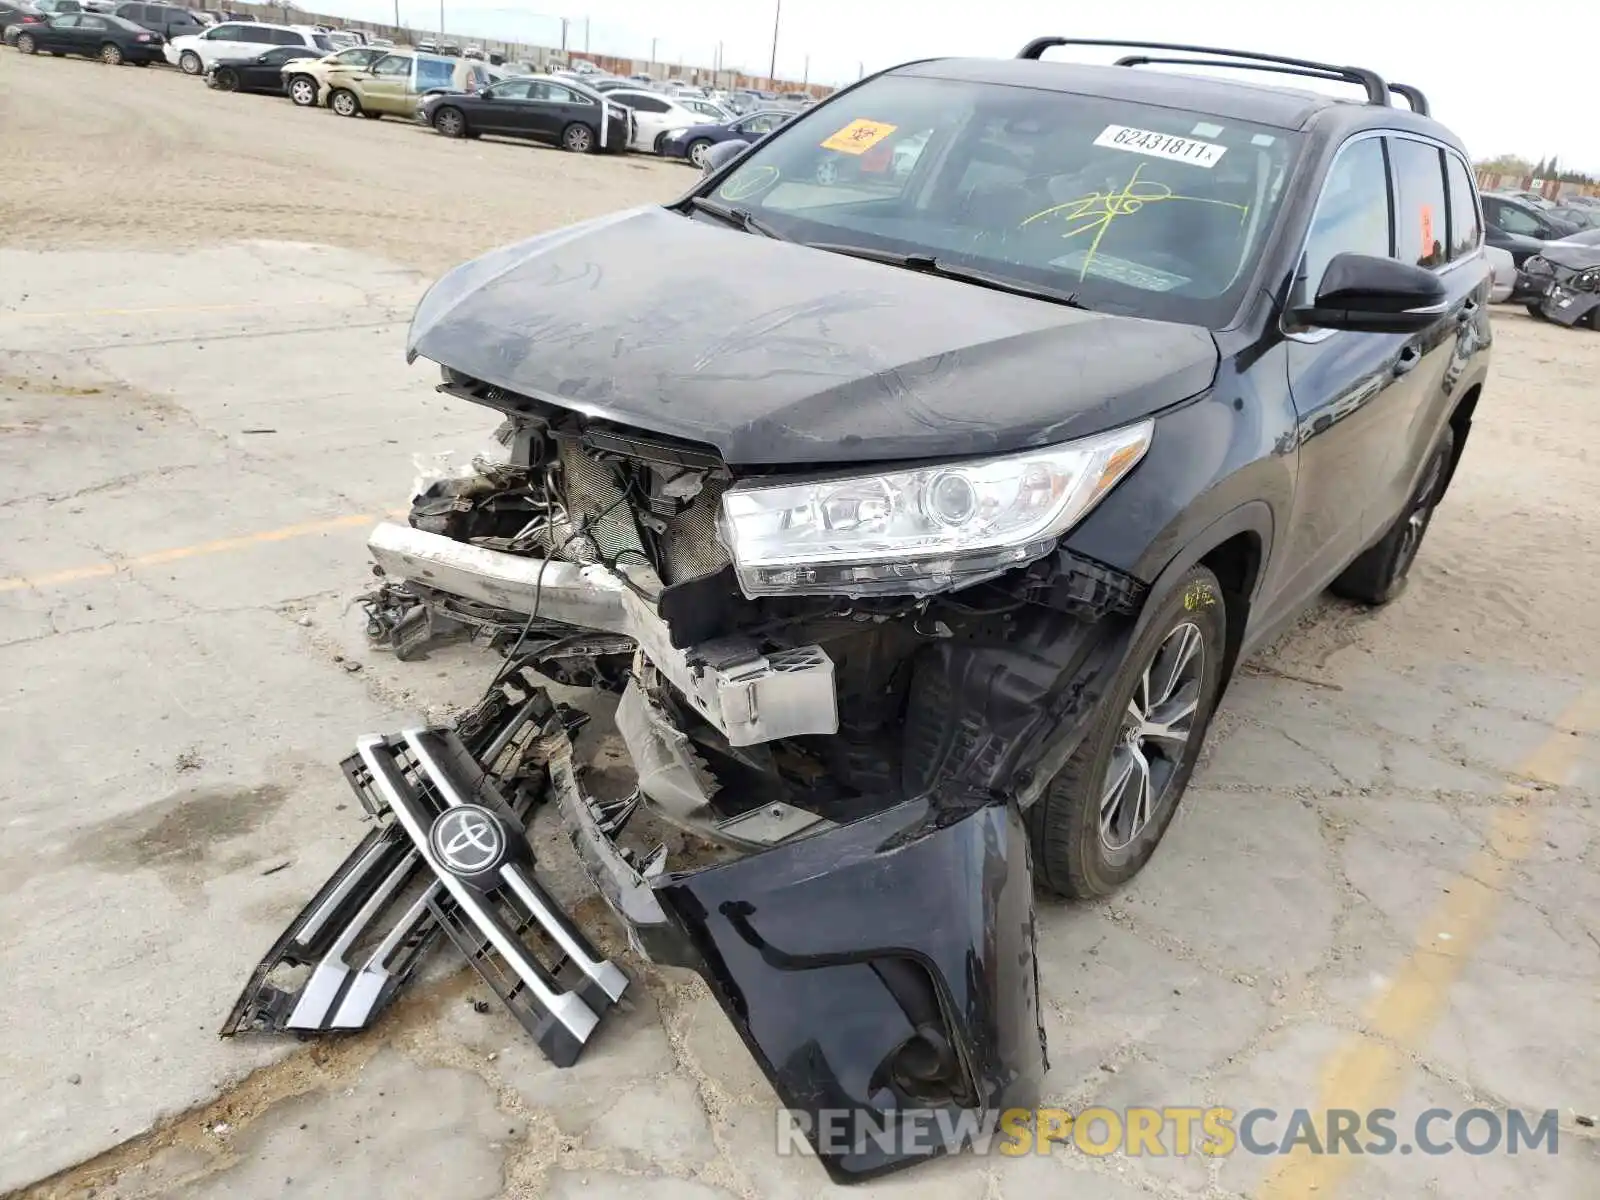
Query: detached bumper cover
point(882, 972)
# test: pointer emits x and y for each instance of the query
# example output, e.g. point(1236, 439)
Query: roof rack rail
point(1413, 96)
point(1377, 89)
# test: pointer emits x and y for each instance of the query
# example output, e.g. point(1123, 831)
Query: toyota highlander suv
point(919, 521)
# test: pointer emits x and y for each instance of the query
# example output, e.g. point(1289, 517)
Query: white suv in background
point(195, 54)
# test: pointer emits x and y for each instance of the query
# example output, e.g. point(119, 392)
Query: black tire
point(1073, 855)
point(111, 54)
point(26, 44)
point(58, 54)
point(450, 121)
point(1379, 574)
point(345, 102)
point(227, 79)
point(141, 62)
point(302, 91)
point(1534, 311)
point(189, 63)
point(579, 139)
point(370, 115)
point(696, 153)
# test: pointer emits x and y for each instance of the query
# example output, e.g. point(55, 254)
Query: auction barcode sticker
point(1161, 145)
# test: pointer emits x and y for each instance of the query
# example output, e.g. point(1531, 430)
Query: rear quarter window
point(1466, 230)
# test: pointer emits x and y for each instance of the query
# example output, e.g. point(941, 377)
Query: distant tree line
point(1544, 168)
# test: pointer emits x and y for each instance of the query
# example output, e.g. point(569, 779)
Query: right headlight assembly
point(923, 530)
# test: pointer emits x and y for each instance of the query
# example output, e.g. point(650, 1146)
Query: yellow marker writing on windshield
point(1097, 211)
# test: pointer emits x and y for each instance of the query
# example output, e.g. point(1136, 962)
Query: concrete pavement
point(1380, 891)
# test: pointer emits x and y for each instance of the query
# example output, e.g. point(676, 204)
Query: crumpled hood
point(779, 354)
point(1575, 256)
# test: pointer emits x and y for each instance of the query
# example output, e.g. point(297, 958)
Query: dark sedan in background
point(258, 73)
point(14, 17)
point(536, 107)
point(693, 143)
point(94, 35)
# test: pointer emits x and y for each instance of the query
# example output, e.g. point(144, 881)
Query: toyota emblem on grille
point(467, 840)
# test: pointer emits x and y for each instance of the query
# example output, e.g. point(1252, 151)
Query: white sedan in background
point(655, 116)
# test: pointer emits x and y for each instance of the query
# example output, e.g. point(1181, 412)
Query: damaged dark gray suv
point(919, 514)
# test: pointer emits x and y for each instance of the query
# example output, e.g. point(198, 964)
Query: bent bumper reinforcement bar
point(750, 697)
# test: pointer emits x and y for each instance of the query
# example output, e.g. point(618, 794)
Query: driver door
point(1341, 383)
point(503, 108)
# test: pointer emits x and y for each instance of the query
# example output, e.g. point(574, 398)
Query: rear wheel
point(189, 63)
point(111, 54)
point(1379, 575)
point(578, 138)
point(450, 121)
point(345, 102)
point(26, 45)
point(302, 90)
point(1102, 816)
point(227, 79)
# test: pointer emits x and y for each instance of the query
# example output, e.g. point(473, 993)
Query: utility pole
point(441, 20)
point(653, 51)
point(805, 78)
point(586, 35)
point(563, 35)
point(861, 70)
point(397, 14)
point(777, 16)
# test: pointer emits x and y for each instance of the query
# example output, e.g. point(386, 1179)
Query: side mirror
point(483, 93)
point(1374, 295)
point(722, 154)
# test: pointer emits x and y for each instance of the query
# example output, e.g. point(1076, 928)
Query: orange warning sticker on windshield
point(859, 136)
point(1427, 232)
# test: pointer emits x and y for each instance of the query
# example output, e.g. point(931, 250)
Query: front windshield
point(1135, 208)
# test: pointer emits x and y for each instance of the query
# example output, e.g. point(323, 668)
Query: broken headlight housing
point(924, 530)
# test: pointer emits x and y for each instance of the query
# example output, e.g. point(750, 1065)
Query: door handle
point(1409, 357)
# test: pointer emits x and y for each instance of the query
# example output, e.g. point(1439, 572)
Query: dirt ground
point(1381, 888)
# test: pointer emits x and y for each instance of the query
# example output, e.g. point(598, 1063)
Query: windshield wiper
point(740, 218)
point(927, 264)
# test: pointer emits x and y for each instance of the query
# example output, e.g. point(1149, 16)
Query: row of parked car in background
point(581, 108)
point(1553, 247)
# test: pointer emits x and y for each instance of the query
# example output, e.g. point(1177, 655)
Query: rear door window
point(1421, 220)
point(434, 73)
point(392, 66)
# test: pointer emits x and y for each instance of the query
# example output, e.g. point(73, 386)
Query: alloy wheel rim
point(300, 91)
point(342, 105)
point(450, 123)
point(578, 139)
point(1154, 736)
point(697, 154)
point(1417, 520)
point(110, 55)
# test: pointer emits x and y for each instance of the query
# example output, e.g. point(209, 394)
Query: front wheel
point(1102, 816)
point(370, 115)
point(450, 122)
point(577, 138)
point(189, 63)
point(698, 149)
point(227, 79)
point(303, 91)
point(25, 44)
point(345, 103)
point(1379, 575)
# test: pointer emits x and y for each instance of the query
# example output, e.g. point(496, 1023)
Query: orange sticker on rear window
point(1427, 232)
point(859, 136)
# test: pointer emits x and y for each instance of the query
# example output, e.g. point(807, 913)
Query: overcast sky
point(1527, 90)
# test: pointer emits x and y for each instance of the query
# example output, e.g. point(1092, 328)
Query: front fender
point(882, 974)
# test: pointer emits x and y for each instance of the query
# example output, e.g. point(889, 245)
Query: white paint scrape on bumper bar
point(749, 696)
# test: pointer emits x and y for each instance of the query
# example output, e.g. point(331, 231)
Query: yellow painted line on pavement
point(156, 558)
point(1369, 1070)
